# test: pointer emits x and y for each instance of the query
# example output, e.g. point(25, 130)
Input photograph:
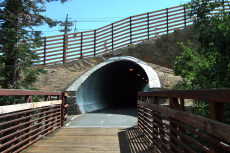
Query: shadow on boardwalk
point(92, 140)
point(131, 140)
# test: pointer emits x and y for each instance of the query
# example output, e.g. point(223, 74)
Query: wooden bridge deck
point(92, 140)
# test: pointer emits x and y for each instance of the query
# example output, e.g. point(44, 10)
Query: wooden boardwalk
point(92, 140)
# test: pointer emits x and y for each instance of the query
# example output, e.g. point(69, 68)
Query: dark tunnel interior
point(124, 84)
point(115, 84)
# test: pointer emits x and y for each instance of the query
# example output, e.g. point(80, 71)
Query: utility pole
point(66, 24)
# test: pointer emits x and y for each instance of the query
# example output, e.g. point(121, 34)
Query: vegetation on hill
point(208, 64)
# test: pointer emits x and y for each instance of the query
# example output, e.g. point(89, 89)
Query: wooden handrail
point(172, 128)
point(217, 95)
point(18, 92)
point(23, 124)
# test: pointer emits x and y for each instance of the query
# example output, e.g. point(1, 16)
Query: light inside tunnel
point(112, 85)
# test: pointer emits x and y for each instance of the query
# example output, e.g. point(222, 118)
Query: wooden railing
point(131, 30)
point(23, 124)
point(171, 129)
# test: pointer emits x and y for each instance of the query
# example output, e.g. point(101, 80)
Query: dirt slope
point(60, 76)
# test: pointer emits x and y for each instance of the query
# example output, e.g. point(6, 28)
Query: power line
point(93, 21)
point(96, 18)
point(105, 19)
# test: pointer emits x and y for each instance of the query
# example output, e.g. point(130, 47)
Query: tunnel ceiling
point(114, 82)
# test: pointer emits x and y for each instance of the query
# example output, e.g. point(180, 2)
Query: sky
point(92, 14)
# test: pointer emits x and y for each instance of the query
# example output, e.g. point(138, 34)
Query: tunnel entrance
point(118, 83)
point(114, 83)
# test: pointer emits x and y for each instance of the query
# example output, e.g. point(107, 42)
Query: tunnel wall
point(92, 89)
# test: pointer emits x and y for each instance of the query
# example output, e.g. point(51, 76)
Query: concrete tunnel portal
point(114, 82)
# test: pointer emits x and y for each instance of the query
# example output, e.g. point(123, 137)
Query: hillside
point(158, 53)
point(60, 76)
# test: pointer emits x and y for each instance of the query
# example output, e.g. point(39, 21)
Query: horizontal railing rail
point(25, 123)
point(169, 128)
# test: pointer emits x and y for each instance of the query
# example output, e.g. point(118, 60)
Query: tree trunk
point(10, 47)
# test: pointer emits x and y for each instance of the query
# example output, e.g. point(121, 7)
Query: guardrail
point(23, 124)
point(171, 129)
point(130, 30)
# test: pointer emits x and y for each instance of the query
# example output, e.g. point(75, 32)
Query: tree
point(207, 65)
point(17, 39)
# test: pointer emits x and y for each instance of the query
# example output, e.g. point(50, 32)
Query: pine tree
point(17, 39)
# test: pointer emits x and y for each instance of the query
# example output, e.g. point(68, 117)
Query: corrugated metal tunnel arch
point(113, 82)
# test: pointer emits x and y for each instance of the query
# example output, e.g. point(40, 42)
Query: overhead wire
point(105, 19)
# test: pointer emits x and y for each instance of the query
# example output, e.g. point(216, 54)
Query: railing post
point(167, 19)
point(28, 99)
point(181, 129)
point(148, 25)
point(112, 35)
point(81, 54)
point(47, 98)
point(173, 103)
point(182, 108)
point(45, 51)
point(130, 27)
point(216, 112)
point(94, 50)
point(154, 120)
point(64, 47)
point(63, 108)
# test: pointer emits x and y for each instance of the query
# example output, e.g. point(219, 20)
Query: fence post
point(185, 22)
point(64, 47)
point(81, 45)
point(148, 25)
point(45, 51)
point(130, 26)
point(112, 35)
point(167, 19)
point(94, 51)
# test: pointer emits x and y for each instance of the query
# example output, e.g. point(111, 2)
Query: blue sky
point(93, 14)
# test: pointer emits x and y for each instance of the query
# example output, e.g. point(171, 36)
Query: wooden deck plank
point(91, 140)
